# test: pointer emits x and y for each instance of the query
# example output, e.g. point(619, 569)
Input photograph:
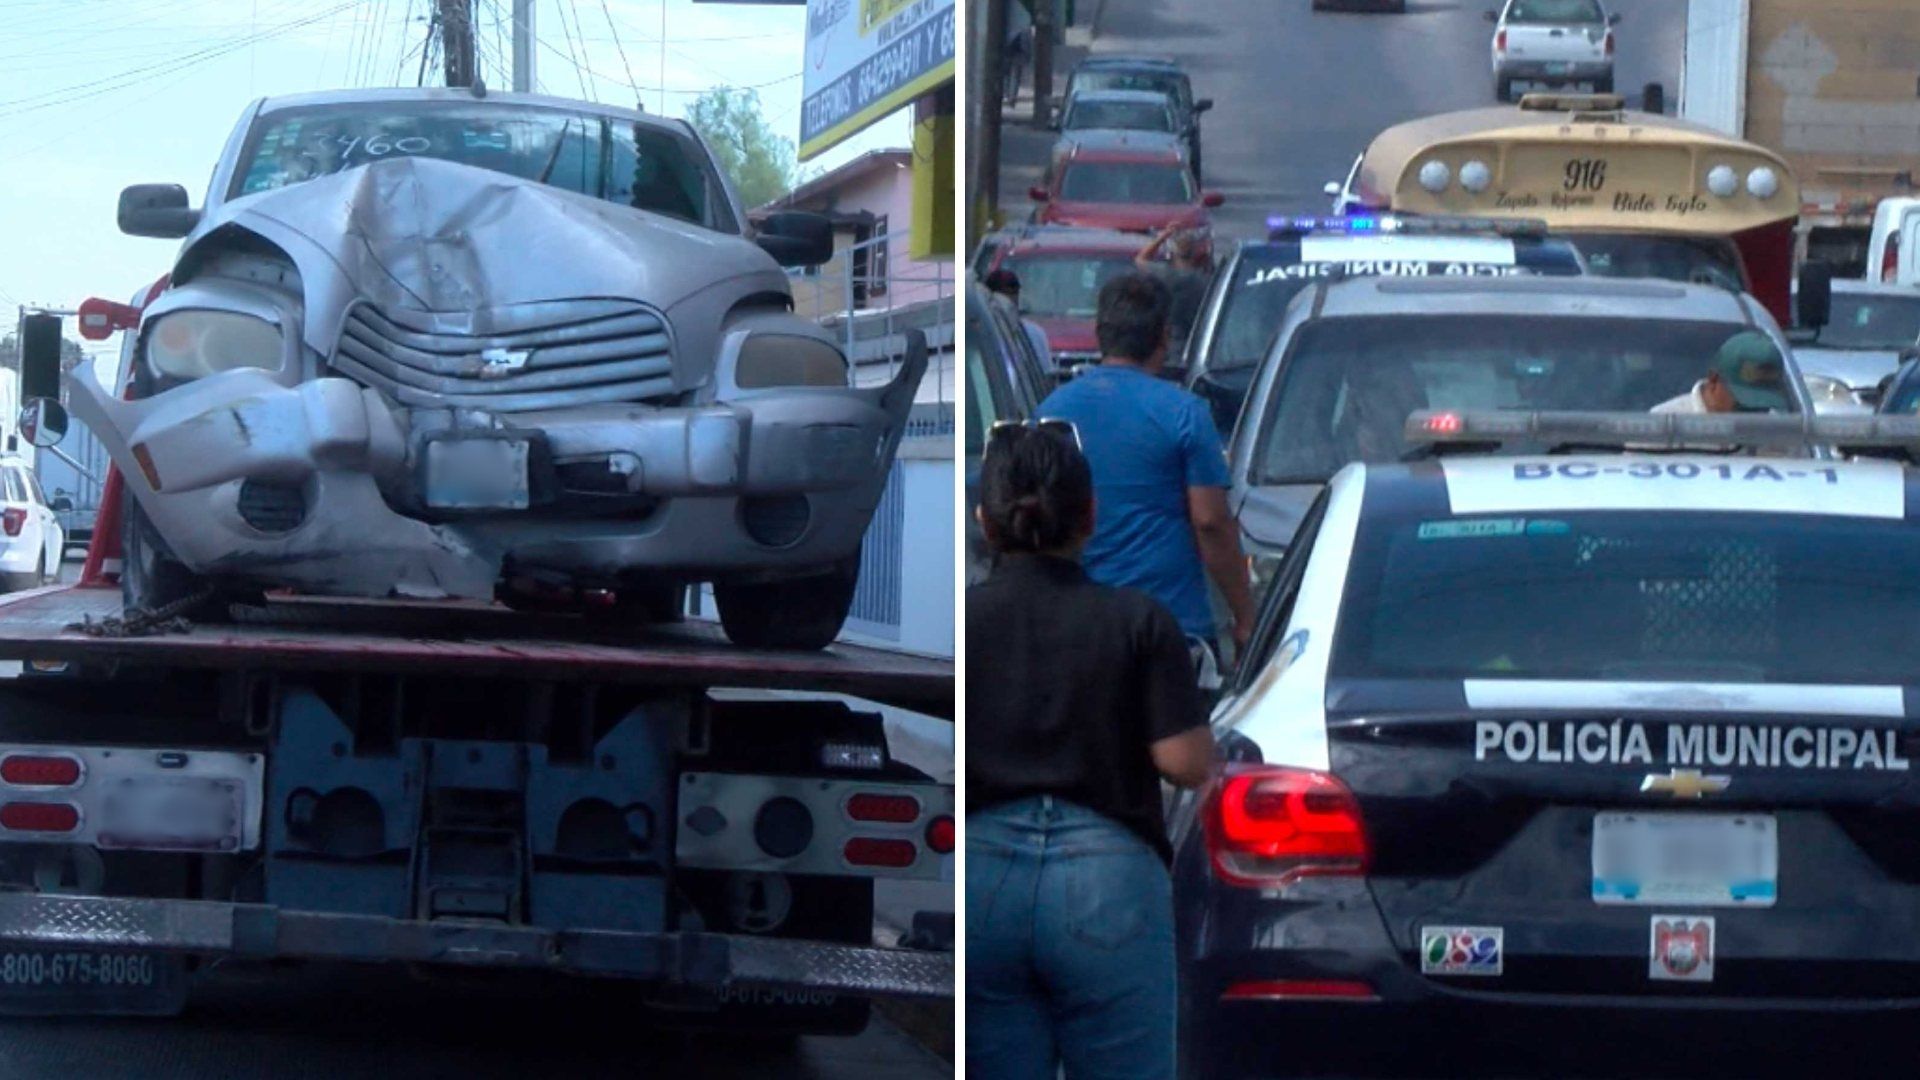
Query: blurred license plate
point(477, 474)
point(173, 813)
point(1718, 860)
point(38, 982)
point(1559, 69)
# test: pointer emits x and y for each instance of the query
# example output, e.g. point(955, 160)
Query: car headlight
point(193, 344)
point(771, 360)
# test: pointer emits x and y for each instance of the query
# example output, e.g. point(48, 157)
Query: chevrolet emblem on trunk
point(1684, 784)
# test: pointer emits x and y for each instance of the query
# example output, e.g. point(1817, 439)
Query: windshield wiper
point(558, 143)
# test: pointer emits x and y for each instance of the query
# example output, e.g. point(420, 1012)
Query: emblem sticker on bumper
point(1461, 950)
point(1682, 948)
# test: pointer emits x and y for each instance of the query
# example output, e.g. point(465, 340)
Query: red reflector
point(13, 519)
point(940, 836)
point(1300, 990)
point(867, 851)
point(894, 809)
point(39, 771)
point(39, 817)
point(1445, 423)
point(1269, 825)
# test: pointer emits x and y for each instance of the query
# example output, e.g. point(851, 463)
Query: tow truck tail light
point(940, 836)
point(13, 519)
point(873, 851)
point(1889, 268)
point(893, 809)
point(1271, 825)
point(1500, 41)
point(39, 817)
point(40, 770)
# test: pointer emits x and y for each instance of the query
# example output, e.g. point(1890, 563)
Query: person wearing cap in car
point(1747, 375)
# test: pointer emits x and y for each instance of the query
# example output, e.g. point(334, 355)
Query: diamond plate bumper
point(701, 960)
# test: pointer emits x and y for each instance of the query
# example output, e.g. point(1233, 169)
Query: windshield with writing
point(1064, 286)
point(1658, 597)
point(1126, 182)
point(1348, 384)
point(1695, 260)
point(1872, 321)
point(610, 158)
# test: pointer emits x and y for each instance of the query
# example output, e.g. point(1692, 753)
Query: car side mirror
point(1613, 19)
point(43, 422)
point(40, 344)
point(1203, 105)
point(161, 211)
point(796, 238)
point(1037, 194)
point(1331, 189)
point(1212, 198)
point(1815, 304)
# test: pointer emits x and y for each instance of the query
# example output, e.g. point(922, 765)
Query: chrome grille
point(510, 359)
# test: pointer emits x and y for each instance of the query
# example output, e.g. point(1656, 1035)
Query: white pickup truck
point(1553, 42)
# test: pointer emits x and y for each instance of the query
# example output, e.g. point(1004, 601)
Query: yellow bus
point(1641, 195)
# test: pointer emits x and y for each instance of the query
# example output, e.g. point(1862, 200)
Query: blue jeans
point(1069, 947)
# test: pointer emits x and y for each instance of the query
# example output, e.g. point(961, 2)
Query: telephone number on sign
point(76, 969)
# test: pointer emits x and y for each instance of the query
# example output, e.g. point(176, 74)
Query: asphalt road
point(331, 1021)
point(1298, 94)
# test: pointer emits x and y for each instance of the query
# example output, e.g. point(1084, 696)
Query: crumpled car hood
point(439, 236)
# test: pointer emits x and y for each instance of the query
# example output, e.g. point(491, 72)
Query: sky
point(99, 94)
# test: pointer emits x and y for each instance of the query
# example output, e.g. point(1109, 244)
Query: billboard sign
point(867, 58)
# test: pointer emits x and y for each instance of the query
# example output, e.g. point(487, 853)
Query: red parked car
point(1061, 271)
point(1135, 189)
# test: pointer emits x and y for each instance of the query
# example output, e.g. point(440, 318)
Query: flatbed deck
point(413, 637)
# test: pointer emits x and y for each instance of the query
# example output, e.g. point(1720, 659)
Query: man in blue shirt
point(1159, 474)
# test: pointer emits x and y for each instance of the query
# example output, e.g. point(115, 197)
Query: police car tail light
point(13, 520)
point(1271, 825)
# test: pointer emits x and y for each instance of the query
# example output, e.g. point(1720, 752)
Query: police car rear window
point(1349, 383)
point(1708, 597)
point(1266, 279)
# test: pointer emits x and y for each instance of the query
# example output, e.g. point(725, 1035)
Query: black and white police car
point(1625, 725)
point(1254, 284)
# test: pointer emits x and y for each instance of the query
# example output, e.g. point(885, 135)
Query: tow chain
point(138, 622)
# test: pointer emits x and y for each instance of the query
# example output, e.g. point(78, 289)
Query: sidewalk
point(1023, 147)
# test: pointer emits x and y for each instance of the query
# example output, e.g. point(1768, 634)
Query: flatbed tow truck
point(455, 786)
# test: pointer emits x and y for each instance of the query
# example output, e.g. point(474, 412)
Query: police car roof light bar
point(1657, 431)
point(1291, 227)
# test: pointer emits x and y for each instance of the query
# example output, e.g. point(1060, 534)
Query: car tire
point(151, 578)
point(1603, 86)
point(798, 613)
point(1502, 89)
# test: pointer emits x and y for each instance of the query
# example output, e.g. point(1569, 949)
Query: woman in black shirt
point(1080, 698)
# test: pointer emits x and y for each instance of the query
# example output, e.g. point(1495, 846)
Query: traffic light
point(39, 357)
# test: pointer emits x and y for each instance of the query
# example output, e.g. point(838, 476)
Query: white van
point(1893, 255)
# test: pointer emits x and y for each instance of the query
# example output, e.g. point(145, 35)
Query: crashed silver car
point(428, 343)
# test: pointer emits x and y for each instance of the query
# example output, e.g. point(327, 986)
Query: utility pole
point(989, 82)
point(523, 46)
point(456, 39)
point(1043, 23)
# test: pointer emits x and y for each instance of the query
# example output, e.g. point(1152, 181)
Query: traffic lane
point(1298, 94)
point(334, 1020)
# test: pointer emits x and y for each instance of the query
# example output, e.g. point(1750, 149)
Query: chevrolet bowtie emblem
point(1684, 784)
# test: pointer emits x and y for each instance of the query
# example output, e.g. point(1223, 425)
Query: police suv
point(1254, 284)
point(1625, 724)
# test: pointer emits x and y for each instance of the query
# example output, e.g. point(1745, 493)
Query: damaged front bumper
point(329, 486)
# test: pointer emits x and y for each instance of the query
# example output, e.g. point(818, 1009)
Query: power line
point(615, 31)
point(570, 57)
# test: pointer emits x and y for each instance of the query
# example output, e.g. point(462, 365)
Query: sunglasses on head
point(1059, 429)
